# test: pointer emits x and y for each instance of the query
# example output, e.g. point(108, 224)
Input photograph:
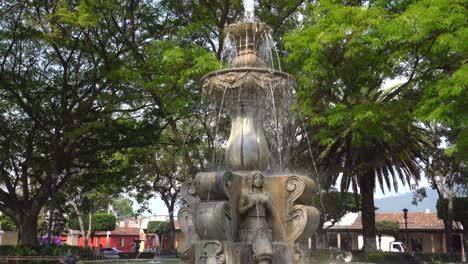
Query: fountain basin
point(249, 82)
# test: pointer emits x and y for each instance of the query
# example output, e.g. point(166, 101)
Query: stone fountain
point(244, 214)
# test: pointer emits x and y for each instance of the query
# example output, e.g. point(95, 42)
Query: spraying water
point(249, 9)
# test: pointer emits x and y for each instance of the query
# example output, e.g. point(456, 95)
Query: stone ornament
point(185, 217)
point(212, 253)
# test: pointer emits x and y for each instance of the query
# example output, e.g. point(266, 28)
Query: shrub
point(44, 250)
point(324, 256)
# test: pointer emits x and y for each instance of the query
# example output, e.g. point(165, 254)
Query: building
point(425, 233)
point(126, 232)
point(121, 238)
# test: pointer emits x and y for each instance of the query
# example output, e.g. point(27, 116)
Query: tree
point(344, 53)
point(444, 173)
point(83, 197)
point(385, 227)
point(123, 207)
point(95, 222)
point(342, 56)
point(458, 211)
point(160, 228)
point(333, 205)
point(68, 101)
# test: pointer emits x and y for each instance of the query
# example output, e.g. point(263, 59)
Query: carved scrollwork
point(188, 192)
point(212, 252)
point(302, 222)
point(185, 217)
point(301, 190)
point(295, 186)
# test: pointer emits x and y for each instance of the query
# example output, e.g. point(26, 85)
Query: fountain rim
point(248, 69)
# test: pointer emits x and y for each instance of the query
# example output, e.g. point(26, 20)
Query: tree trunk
point(80, 215)
point(90, 224)
point(28, 230)
point(449, 223)
point(368, 211)
point(171, 221)
point(465, 236)
point(380, 242)
point(160, 238)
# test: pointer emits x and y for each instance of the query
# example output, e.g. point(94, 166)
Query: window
point(397, 247)
point(122, 241)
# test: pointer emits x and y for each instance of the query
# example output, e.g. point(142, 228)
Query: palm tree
point(375, 142)
point(342, 55)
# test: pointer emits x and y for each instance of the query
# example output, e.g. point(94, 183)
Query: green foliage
point(392, 257)
point(460, 209)
point(99, 222)
point(341, 57)
point(345, 53)
point(159, 227)
point(123, 206)
point(334, 205)
point(73, 106)
point(104, 222)
point(385, 257)
point(44, 250)
point(7, 224)
point(322, 256)
point(390, 228)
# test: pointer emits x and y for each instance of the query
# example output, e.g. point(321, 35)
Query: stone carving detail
point(212, 253)
point(213, 220)
point(253, 81)
point(255, 228)
point(302, 222)
point(295, 185)
point(185, 217)
point(188, 192)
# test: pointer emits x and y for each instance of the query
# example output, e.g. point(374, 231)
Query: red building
point(121, 238)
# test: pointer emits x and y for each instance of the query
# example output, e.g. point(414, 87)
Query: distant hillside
point(395, 204)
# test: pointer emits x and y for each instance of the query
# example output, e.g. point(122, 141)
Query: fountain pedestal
point(214, 226)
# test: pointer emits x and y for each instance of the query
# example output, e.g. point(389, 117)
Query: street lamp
point(405, 216)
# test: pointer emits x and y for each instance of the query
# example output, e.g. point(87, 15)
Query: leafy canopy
point(386, 227)
point(159, 227)
point(334, 205)
point(99, 222)
point(460, 209)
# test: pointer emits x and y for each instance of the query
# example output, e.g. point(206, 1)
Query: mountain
point(395, 204)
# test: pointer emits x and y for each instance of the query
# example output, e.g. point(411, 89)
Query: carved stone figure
point(255, 206)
